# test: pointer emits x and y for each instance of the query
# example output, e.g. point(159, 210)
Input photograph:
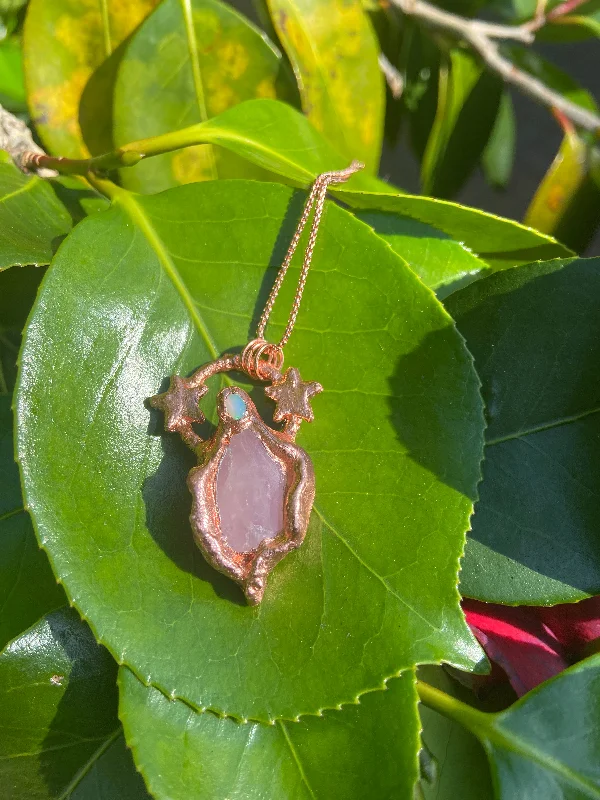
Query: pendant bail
point(261, 358)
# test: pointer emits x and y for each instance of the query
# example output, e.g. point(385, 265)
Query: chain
point(315, 199)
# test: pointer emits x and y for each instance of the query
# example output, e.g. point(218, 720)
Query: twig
point(481, 35)
point(16, 139)
point(453, 22)
point(531, 86)
point(393, 78)
point(541, 16)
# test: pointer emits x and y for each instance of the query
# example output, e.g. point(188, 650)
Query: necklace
point(254, 487)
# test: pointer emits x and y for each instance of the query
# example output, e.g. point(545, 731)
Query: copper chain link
point(316, 198)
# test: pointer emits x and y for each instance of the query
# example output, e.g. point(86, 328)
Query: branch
point(453, 22)
point(531, 86)
point(393, 78)
point(481, 35)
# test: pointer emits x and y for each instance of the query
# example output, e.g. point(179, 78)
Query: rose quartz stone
point(250, 493)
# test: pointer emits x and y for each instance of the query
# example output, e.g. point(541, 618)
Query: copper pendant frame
point(250, 569)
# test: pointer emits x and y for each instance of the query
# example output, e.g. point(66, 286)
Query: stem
point(478, 722)
point(104, 186)
point(481, 35)
point(127, 156)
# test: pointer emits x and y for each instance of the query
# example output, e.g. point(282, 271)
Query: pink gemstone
point(250, 493)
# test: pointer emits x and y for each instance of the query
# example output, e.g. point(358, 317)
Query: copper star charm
point(180, 404)
point(292, 395)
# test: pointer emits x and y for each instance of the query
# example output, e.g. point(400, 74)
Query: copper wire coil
point(260, 355)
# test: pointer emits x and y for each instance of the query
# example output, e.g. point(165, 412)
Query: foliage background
point(214, 699)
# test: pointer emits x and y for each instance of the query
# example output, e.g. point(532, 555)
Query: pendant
point(254, 487)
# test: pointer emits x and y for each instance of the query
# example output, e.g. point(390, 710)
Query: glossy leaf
point(28, 588)
point(278, 138)
point(499, 154)
point(275, 136)
point(65, 42)
point(460, 768)
point(468, 103)
point(334, 53)
point(368, 750)
point(61, 738)
point(397, 439)
point(187, 62)
point(548, 743)
point(500, 243)
point(534, 334)
point(442, 263)
point(32, 220)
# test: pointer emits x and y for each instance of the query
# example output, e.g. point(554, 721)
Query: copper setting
point(274, 451)
point(249, 568)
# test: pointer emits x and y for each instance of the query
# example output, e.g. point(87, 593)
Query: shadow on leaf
point(431, 431)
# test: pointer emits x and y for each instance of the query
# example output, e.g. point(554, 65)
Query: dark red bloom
point(532, 644)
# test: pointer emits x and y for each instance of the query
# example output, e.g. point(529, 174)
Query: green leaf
point(500, 243)
point(12, 86)
point(368, 750)
point(545, 745)
point(396, 450)
point(534, 334)
point(460, 768)
point(559, 185)
point(334, 53)
point(32, 220)
point(567, 201)
point(10, 6)
point(499, 153)
point(278, 138)
point(187, 62)
point(468, 103)
point(28, 588)
point(61, 738)
point(441, 262)
point(584, 24)
point(64, 44)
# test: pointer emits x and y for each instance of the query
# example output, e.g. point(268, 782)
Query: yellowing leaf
point(64, 42)
point(334, 53)
point(186, 63)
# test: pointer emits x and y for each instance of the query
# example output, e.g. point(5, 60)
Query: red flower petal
point(518, 640)
point(574, 624)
